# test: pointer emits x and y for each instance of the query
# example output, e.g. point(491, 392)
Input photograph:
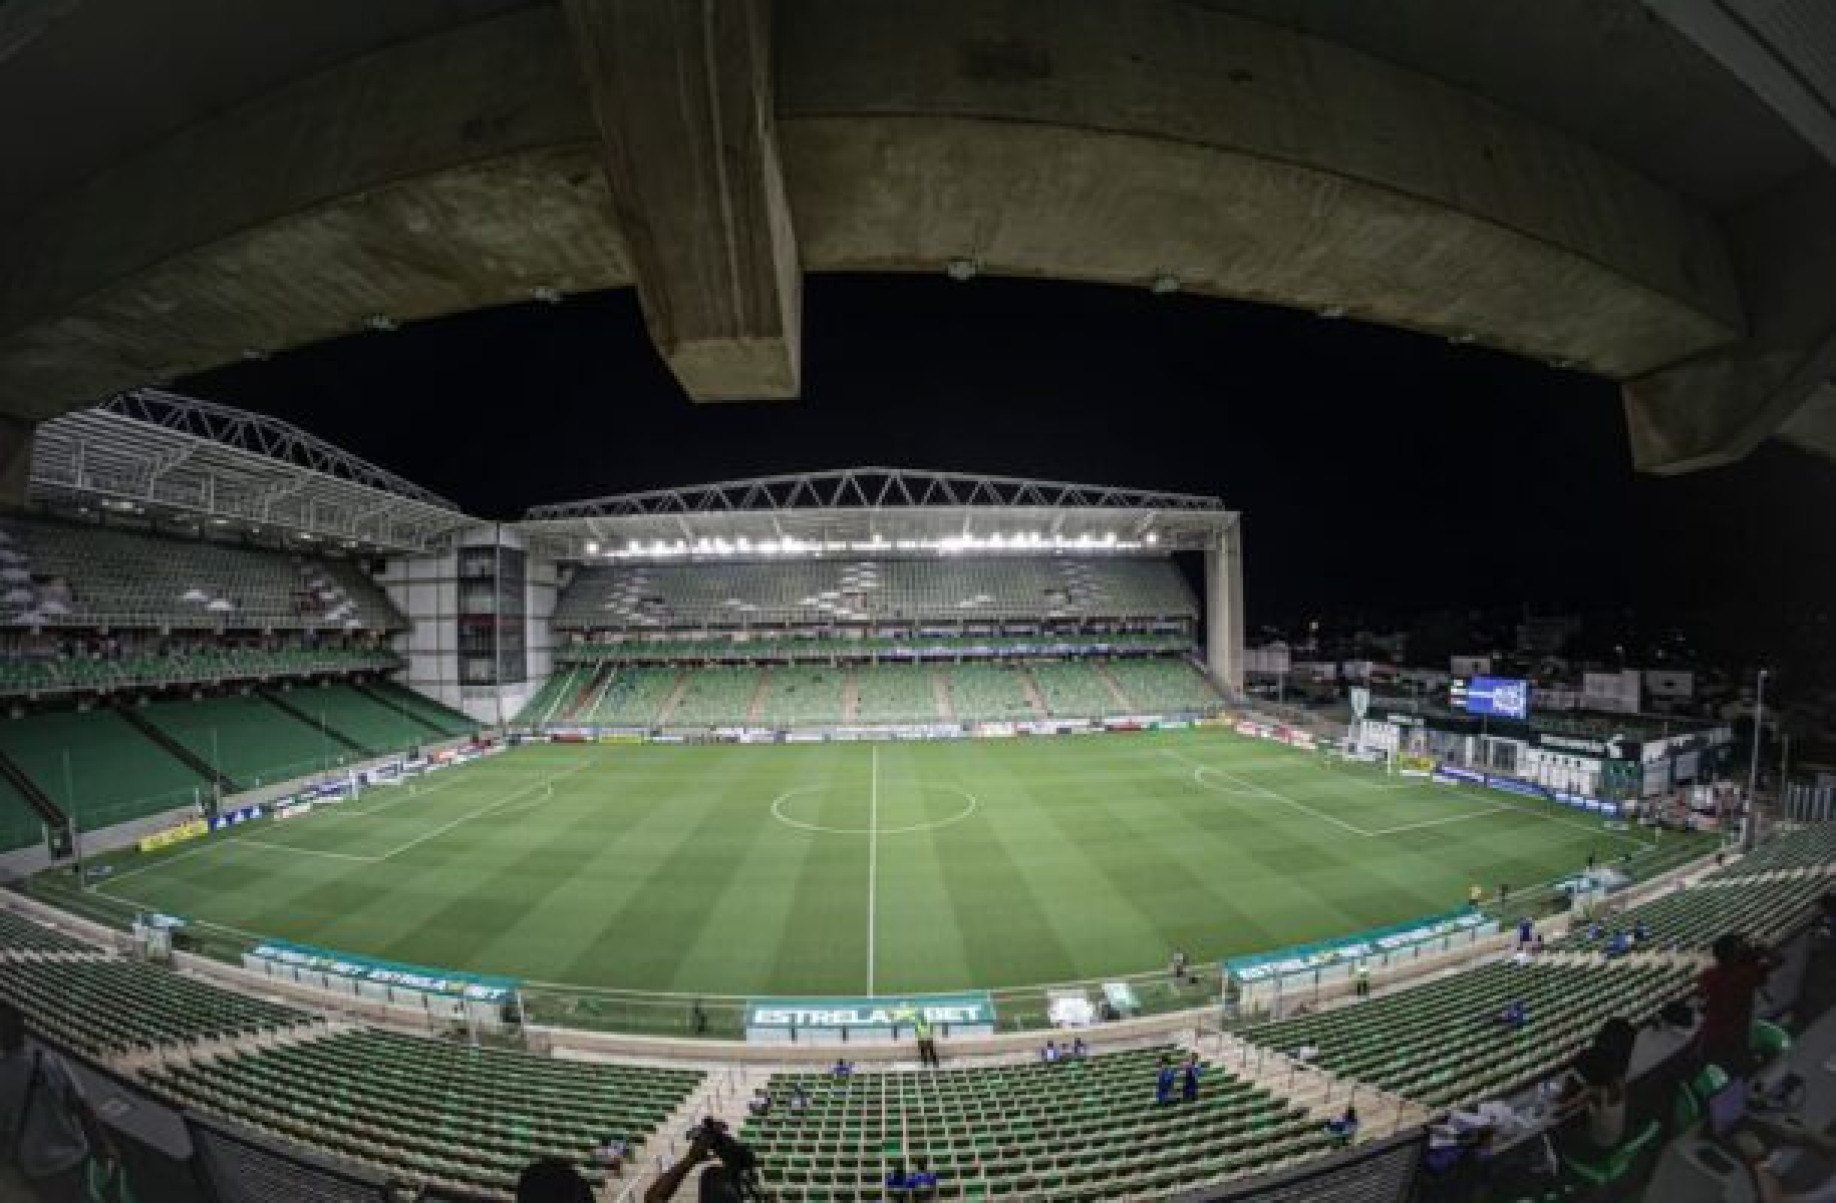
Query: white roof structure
point(882, 511)
point(171, 457)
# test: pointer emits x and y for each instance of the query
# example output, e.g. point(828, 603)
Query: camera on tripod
point(739, 1165)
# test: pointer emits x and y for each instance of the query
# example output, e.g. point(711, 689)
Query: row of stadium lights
point(954, 544)
point(128, 507)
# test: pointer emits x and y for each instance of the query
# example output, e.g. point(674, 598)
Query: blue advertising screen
point(1500, 697)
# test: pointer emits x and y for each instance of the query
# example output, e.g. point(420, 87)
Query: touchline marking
point(873, 851)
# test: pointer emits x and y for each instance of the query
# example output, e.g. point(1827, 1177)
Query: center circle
point(970, 805)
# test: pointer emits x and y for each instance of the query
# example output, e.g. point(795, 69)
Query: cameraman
point(1728, 986)
point(722, 1183)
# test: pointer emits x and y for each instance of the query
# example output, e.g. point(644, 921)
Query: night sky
point(1379, 472)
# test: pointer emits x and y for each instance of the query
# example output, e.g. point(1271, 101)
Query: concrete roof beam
point(682, 92)
point(1714, 408)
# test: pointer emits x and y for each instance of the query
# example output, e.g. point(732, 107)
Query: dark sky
point(1376, 469)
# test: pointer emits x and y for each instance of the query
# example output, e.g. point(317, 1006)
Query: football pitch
point(862, 868)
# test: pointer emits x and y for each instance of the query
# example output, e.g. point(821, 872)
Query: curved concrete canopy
point(461, 155)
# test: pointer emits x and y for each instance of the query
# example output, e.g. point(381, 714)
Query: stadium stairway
point(184, 755)
point(330, 732)
point(668, 710)
point(381, 698)
point(1030, 687)
point(1114, 686)
point(27, 789)
point(851, 697)
point(940, 690)
point(586, 700)
point(1323, 1093)
point(722, 1094)
point(755, 706)
point(207, 1049)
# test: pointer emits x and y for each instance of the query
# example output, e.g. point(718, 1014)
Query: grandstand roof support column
point(15, 458)
point(1714, 408)
point(1224, 607)
point(682, 93)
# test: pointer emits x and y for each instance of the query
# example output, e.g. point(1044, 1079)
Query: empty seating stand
point(794, 645)
point(896, 693)
point(1073, 689)
point(1812, 846)
point(248, 740)
point(1074, 1130)
point(430, 1112)
point(716, 697)
point(372, 725)
point(631, 697)
point(110, 1006)
point(802, 697)
point(77, 574)
point(1163, 685)
point(441, 720)
point(663, 596)
point(19, 934)
point(98, 767)
point(1443, 1043)
point(33, 674)
point(984, 692)
point(1692, 919)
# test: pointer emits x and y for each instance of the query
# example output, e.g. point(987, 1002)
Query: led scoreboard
point(1496, 697)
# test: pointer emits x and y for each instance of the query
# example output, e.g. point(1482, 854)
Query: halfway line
point(873, 850)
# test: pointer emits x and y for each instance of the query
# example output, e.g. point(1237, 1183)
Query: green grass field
point(849, 868)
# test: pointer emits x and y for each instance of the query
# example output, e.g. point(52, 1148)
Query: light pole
point(1748, 837)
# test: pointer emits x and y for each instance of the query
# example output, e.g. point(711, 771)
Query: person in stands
point(1515, 1014)
point(1344, 1128)
point(1049, 1053)
point(1165, 1079)
point(610, 1153)
point(1727, 987)
point(1189, 1079)
point(1079, 1050)
point(919, 1182)
point(842, 1069)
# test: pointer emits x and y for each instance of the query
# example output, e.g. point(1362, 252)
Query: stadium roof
point(169, 457)
point(882, 511)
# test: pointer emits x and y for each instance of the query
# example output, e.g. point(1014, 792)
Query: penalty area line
point(514, 797)
point(1199, 769)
